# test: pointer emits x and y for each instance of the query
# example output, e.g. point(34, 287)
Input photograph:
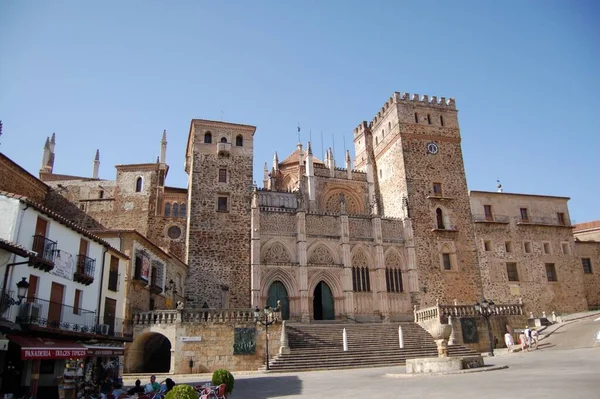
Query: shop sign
point(190, 339)
point(30, 354)
point(108, 352)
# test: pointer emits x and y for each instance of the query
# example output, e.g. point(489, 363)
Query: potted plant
point(182, 392)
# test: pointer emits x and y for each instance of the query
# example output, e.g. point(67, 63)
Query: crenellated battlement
point(409, 99)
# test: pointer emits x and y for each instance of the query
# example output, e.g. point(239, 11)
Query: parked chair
point(221, 391)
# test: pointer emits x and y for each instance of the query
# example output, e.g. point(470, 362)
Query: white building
point(75, 294)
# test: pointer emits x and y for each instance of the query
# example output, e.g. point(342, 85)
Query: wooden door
point(40, 230)
point(56, 305)
point(83, 247)
point(110, 308)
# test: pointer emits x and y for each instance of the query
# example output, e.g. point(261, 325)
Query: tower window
point(382, 133)
point(361, 282)
point(182, 211)
point(561, 218)
point(390, 126)
point(437, 189)
point(416, 118)
point(487, 210)
point(168, 209)
point(439, 218)
point(551, 272)
point(207, 138)
point(376, 140)
point(175, 210)
point(393, 280)
point(587, 265)
point(547, 249)
point(239, 141)
point(139, 184)
point(508, 246)
point(441, 120)
point(565, 248)
point(429, 119)
point(513, 273)
point(527, 247)
point(447, 262)
point(101, 194)
point(487, 245)
point(524, 215)
point(223, 139)
point(222, 175)
point(222, 204)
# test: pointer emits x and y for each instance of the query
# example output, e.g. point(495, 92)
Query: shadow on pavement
point(267, 387)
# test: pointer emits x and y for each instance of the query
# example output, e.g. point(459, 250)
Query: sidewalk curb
point(466, 371)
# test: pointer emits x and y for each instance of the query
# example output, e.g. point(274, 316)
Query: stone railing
point(156, 317)
point(198, 316)
point(442, 312)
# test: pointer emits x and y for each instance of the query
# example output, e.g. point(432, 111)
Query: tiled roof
point(587, 225)
point(62, 220)
point(14, 248)
point(293, 157)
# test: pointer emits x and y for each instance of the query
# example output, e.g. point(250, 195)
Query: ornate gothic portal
point(323, 302)
point(277, 292)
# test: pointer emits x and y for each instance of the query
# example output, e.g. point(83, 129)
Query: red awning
point(46, 348)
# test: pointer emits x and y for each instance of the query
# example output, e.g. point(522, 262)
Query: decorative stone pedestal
point(433, 365)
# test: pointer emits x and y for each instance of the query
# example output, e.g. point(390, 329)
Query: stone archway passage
point(323, 308)
point(149, 353)
point(277, 292)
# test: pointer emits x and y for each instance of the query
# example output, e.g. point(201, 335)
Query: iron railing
point(85, 269)
point(115, 327)
point(491, 219)
point(49, 314)
point(45, 248)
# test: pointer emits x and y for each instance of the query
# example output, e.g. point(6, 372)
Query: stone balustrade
point(156, 317)
point(198, 316)
point(442, 312)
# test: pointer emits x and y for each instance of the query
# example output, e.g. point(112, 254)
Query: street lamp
point(22, 287)
point(486, 309)
point(265, 317)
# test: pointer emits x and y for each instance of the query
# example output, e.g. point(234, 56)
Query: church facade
point(367, 240)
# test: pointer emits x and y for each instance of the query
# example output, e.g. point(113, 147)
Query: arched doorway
point(149, 353)
point(277, 292)
point(323, 302)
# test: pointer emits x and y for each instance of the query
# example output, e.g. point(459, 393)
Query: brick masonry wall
point(16, 180)
point(591, 281)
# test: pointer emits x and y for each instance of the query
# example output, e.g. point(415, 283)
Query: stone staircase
point(320, 346)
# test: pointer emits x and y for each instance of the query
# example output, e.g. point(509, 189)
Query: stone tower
point(412, 150)
point(219, 159)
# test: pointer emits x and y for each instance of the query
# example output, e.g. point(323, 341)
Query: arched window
point(101, 195)
point(390, 126)
point(239, 140)
point(175, 210)
point(361, 281)
point(440, 218)
point(207, 138)
point(182, 211)
point(168, 209)
point(139, 184)
point(382, 134)
point(376, 140)
point(393, 280)
point(223, 139)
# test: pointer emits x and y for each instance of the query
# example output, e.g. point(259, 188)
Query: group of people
point(160, 389)
point(528, 339)
point(152, 387)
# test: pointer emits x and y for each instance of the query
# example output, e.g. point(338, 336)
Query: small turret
point(310, 173)
point(163, 147)
point(331, 163)
point(266, 176)
point(96, 165)
point(275, 162)
point(348, 164)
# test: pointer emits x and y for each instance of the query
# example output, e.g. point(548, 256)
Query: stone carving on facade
point(321, 256)
point(277, 253)
point(360, 228)
point(322, 225)
point(392, 229)
point(393, 260)
point(277, 223)
point(359, 259)
point(333, 203)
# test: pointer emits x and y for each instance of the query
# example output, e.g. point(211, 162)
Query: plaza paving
point(567, 365)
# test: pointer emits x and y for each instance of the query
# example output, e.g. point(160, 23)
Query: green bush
point(182, 392)
point(223, 376)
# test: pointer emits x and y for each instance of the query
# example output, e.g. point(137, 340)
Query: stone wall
point(218, 241)
point(14, 179)
point(591, 281)
point(498, 324)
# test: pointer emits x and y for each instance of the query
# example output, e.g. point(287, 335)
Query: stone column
point(302, 261)
point(284, 348)
point(347, 261)
point(380, 290)
point(410, 274)
point(255, 283)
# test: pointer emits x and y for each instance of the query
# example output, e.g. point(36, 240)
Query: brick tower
point(412, 150)
point(219, 159)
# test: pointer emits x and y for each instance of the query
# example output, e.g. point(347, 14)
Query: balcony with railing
point(115, 328)
point(502, 219)
point(542, 221)
point(46, 252)
point(85, 270)
point(39, 313)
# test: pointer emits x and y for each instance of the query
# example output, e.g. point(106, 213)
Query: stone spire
point(275, 162)
point(348, 165)
point(48, 155)
point(163, 147)
point(96, 165)
point(266, 176)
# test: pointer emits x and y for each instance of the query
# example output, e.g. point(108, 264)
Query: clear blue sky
point(113, 75)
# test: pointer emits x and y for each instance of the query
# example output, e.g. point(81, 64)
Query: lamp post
point(265, 317)
point(486, 309)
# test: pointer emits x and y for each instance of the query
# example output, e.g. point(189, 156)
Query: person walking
point(508, 340)
point(527, 333)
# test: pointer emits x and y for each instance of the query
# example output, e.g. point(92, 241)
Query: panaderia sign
point(36, 354)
